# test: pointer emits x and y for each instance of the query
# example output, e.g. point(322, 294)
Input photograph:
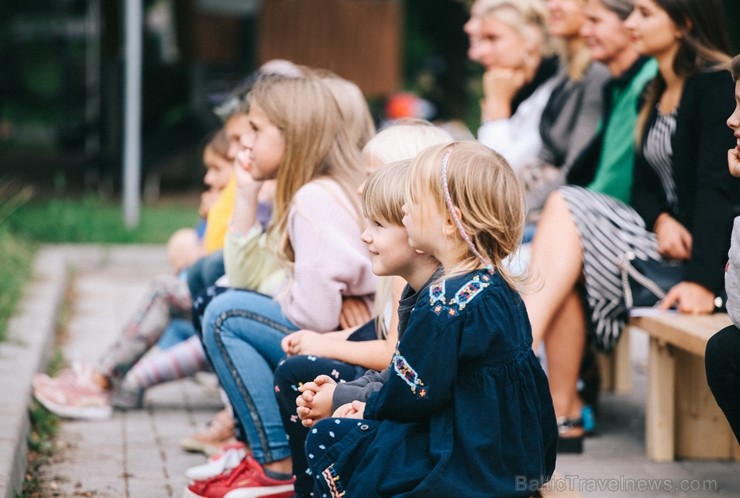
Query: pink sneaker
point(66, 376)
point(246, 480)
point(218, 464)
point(73, 394)
point(213, 440)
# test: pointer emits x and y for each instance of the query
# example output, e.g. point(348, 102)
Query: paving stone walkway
point(136, 454)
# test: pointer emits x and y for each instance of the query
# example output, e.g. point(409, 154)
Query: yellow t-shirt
point(217, 222)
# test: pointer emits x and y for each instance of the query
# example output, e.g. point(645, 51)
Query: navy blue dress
point(466, 412)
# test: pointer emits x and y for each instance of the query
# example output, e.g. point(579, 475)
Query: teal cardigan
point(606, 164)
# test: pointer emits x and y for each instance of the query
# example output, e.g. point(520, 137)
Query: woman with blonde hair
point(510, 39)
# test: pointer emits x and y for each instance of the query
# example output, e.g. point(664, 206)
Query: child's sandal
point(569, 444)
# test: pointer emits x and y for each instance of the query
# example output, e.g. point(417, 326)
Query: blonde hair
point(523, 16)
point(385, 192)
point(352, 106)
point(486, 192)
point(317, 144)
point(383, 195)
point(404, 139)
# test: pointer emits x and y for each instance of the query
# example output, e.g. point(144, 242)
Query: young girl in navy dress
point(467, 411)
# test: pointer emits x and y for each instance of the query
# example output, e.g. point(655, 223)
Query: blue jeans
point(177, 331)
point(204, 272)
point(242, 331)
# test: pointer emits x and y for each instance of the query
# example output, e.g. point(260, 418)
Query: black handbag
point(645, 282)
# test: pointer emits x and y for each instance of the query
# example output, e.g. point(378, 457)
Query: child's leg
point(290, 374)
point(325, 434)
point(200, 303)
point(177, 330)
point(241, 333)
point(168, 297)
point(205, 271)
point(182, 360)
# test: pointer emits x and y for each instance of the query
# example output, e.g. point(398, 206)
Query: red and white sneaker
point(73, 394)
point(218, 464)
point(247, 480)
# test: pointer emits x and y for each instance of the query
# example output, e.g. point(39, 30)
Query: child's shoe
point(123, 398)
point(218, 464)
point(213, 440)
point(73, 394)
point(246, 480)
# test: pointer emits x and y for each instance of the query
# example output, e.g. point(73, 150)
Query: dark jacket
point(708, 197)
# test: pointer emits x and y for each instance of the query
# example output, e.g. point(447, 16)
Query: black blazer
point(708, 196)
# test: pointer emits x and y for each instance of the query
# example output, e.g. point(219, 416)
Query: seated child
point(464, 409)
point(186, 245)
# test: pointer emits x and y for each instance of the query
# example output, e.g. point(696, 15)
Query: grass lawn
point(64, 220)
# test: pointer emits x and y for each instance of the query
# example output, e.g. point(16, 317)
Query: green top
point(614, 173)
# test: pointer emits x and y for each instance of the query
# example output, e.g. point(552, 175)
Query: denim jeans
point(242, 331)
point(177, 331)
point(204, 272)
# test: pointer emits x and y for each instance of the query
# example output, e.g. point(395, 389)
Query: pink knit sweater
point(331, 261)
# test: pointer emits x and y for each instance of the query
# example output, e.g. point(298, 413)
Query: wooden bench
point(682, 419)
point(615, 368)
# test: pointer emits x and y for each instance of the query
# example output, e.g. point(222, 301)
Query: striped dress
point(609, 228)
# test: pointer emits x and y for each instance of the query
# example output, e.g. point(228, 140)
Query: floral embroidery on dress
point(409, 376)
point(332, 480)
point(462, 297)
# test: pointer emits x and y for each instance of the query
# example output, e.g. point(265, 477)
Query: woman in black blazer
point(683, 202)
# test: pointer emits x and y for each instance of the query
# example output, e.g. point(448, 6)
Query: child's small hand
point(356, 409)
point(307, 342)
point(733, 161)
point(315, 401)
point(243, 172)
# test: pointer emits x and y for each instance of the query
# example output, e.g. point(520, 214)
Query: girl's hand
point(355, 409)
point(354, 313)
point(733, 161)
point(307, 342)
point(243, 170)
point(344, 411)
point(315, 401)
point(674, 240)
point(359, 409)
point(689, 297)
point(500, 85)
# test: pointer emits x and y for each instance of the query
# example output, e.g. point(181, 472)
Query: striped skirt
point(608, 229)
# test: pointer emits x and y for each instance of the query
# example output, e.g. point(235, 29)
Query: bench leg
point(702, 432)
point(660, 408)
point(615, 369)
